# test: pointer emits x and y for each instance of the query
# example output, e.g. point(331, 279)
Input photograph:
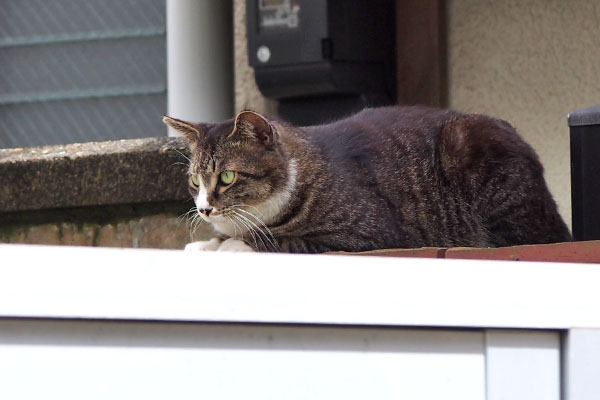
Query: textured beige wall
point(247, 95)
point(529, 62)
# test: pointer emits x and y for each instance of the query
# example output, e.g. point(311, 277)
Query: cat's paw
point(209, 245)
point(234, 245)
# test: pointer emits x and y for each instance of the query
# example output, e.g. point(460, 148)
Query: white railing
point(80, 322)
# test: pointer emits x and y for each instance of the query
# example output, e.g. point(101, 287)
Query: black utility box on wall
point(585, 172)
point(322, 59)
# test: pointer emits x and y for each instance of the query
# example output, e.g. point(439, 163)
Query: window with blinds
point(78, 71)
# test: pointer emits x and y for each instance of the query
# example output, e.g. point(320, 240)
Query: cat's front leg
point(208, 245)
point(234, 245)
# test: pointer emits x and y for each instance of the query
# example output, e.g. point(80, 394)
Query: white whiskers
point(249, 229)
point(240, 219)
point(260, 230)
point(181, 154)
point(192, 222)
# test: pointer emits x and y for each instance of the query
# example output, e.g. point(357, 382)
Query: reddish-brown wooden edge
point(579, 252)
point(424, 252)
point(585, 252)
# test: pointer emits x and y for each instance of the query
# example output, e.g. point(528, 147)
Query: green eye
point(195, 180)
point(227, 177)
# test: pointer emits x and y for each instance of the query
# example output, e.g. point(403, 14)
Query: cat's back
point(382, 137)
point(449, 177)
point(418, 132)
point(378, 124)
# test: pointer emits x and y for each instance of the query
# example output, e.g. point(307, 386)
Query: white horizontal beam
point(101, 283)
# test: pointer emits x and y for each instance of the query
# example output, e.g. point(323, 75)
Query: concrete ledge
point(93, 174)
point(145, 225)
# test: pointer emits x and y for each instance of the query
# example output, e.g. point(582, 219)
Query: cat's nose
point(206, 211)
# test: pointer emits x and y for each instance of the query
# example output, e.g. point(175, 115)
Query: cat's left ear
point(254, 125)
point(192, 132)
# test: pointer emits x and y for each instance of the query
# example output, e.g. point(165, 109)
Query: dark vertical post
point(421, 52)
point(585, 173)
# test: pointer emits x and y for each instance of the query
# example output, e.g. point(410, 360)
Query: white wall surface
point(100, 360)
point(522, 365)
point(582, 364)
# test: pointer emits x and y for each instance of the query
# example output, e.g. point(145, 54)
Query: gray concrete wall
point(125, 193)
point(163, 226)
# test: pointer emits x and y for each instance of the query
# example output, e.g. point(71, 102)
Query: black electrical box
point(322, 58)
point(585, 173)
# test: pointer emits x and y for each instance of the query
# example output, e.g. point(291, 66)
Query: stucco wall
point(529, 62)
point(247, 95)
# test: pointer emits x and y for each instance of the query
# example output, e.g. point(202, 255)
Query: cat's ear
point(252, 124)
point(192, 132)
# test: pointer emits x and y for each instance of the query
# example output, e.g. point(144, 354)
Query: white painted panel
point(582, 364)
point(91, 360)
point(523, 365)
point(93, 283)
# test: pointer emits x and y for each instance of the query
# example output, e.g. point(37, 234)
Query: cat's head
point(238, 170)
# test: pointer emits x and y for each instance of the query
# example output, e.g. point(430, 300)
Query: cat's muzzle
point(206, 211)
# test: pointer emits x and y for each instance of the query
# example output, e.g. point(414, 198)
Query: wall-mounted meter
point(322, 59)
point(278, 15)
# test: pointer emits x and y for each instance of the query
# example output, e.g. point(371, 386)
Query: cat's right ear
point(192, 132)
point(253, 125)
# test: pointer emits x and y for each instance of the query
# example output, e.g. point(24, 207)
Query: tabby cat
point(392, 177)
